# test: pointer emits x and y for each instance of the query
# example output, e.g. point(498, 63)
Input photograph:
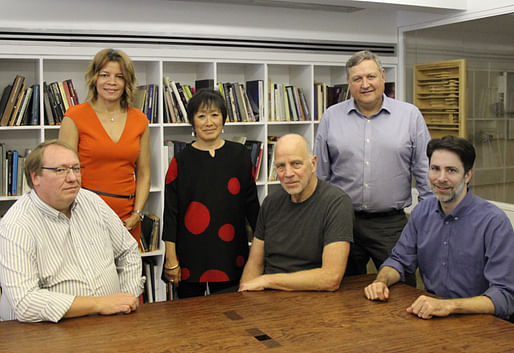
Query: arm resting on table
point(326, 278)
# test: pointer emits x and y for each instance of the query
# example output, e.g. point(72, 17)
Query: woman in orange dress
point(112, 138)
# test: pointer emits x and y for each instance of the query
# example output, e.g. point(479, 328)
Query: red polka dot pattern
point(234, 186)
point(214, 276)
point(197, 218)
point(172, 171)
point(185, 274)
point(240, 261)
point(226, 232)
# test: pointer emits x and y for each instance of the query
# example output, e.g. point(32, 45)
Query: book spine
point(49, 115)
point(9, 172)
point(67, 93)
point(35, 105)
point(304, 105)
point(2, 170)
point(24, 106)
point(150, 102)
point(13, 96)
point(73, 92)
point(181, 106)
point(62, 94)
point(16, 111)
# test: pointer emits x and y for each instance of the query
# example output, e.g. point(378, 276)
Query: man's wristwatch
point(139, 213)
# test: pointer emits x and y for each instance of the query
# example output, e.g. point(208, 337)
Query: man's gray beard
point(456, 194)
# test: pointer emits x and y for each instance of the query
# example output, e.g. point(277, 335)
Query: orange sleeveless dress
point(109, 166)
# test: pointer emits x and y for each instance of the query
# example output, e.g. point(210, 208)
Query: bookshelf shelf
point(299, 70)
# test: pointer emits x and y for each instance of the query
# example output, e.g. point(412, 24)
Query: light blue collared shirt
point(373, 159)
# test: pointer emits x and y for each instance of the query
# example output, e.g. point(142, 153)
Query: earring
point(193, 132)
point(222, 130)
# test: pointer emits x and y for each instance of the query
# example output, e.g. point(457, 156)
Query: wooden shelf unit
point(440, 95)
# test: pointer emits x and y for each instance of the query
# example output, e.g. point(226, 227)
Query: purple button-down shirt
point(468, 253)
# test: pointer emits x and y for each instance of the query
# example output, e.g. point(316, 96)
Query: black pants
point(373, 238)
point(197, 289)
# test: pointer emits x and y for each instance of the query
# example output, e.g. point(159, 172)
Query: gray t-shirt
point(295, 234)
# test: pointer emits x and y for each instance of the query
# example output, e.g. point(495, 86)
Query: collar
point(461, 208)
point(386, 107)
point(45, 208)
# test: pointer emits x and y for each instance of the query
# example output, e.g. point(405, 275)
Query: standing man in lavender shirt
point(371, 146)
point(463, 245)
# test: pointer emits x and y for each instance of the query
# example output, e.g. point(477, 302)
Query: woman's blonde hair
point(127, 68)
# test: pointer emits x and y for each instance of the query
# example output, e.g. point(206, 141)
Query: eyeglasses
point(63, 171)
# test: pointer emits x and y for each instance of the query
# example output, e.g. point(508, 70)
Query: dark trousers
point(197, 289)
point(374, 236)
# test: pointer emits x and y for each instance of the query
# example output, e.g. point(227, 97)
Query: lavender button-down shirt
point(373, 159)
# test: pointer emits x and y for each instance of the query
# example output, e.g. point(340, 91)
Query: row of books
point(272, 171)
point(176, 97)
point(58, 96)
point(325, 96)
point(255, 148)
point(19, 104)
point(243, 104)
point(150, 227)
point(145, 99)
point(12, 179)
point(287, 103)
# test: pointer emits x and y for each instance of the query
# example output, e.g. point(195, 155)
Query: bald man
point(303, 233)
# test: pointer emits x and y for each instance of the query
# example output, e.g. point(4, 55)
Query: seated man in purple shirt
point(463, 245)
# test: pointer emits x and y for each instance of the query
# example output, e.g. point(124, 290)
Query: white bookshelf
point(49, 63)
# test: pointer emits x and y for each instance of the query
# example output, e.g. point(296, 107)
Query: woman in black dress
point(210, 195)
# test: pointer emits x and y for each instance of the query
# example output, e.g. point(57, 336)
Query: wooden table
point(272, 321)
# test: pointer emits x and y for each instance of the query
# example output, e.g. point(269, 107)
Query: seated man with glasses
point(63, 251)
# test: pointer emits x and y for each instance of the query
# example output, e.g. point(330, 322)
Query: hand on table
point(377, 291)
point(426, 307)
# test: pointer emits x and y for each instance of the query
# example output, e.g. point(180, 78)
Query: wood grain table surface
point(269, 321)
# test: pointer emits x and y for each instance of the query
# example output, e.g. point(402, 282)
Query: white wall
point(209, 19)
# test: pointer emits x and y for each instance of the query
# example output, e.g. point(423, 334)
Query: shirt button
point(446, 222)
point(367, 163)
point(444, 263)
point(366, 185)
point(367, 140)
point(456, 218)
point(445, 242)
point(365, 206)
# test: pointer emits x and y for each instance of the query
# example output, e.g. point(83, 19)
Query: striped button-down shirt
point(46, 258)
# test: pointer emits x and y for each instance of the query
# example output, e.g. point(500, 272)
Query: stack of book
point(325, 96)
point(146, 100)
point(255, 148)
point(240, 108)
point(272, 171)
point(287, 103)
point(12, 179)
point(19, 104)
point(150, 226)
point(149, 266)
point(58, 97)
point(176, 97)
